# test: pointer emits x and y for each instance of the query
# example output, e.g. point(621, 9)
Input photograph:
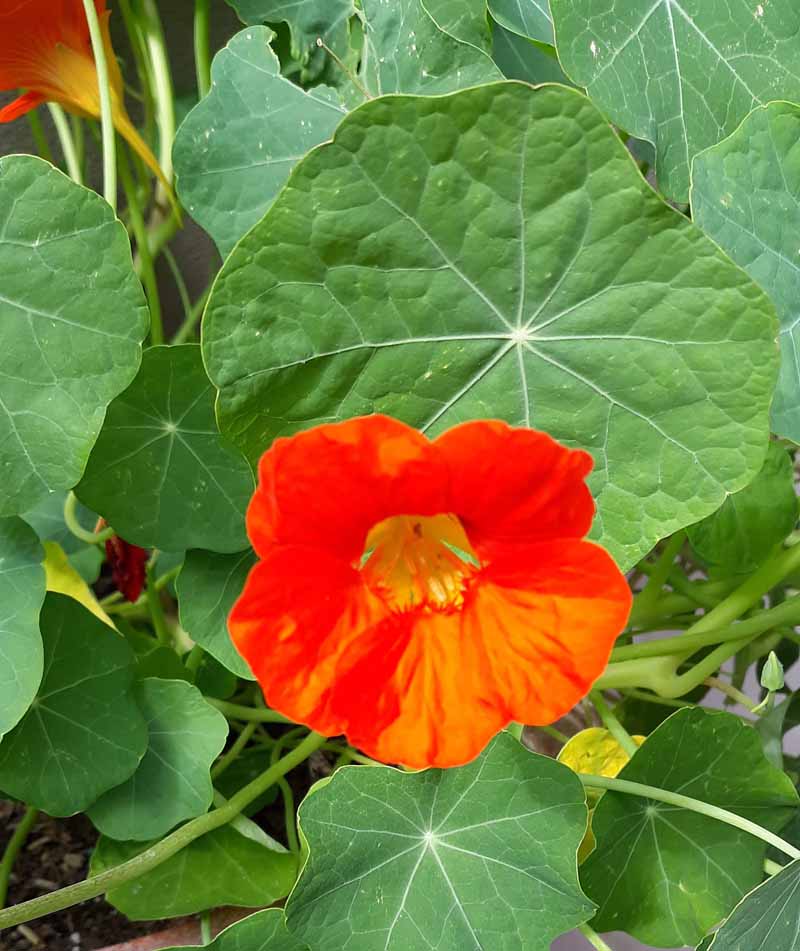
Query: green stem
point(667, 607)
point(13, 848)
point(653, 589)
point(772, 868)
point(75, 527)
point(163, 850)
point(156, 608)
point(289, 815)
point(654, 698)
point(193, 661)
point(180, 284)
point(202, 47)
point(205, 928)
point(693, 805)
point(612, 724)
point(594, 938)
point(730, 691)
point(186, 329)
point(39, 138)
point(235, 751)
point(237, 711)
point(106, 116)
point(66, 141)
point(786, 613)
point(146, 266)
point(162, 88)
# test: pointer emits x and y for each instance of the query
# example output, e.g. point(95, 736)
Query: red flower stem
point(153, 857)
point(693, 805)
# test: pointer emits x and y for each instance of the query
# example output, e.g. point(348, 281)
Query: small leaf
point(667, 875)
point(521, 58)
point(477, 856)
point(220, 868)
point(22, 589)
point(208, 586)
point(447, 258)
point(234, 151)
point(751, 523)
point(84, 733)
point(172, 782)
point(72, 318)
point(529, 18)
point(768, 919)
point(62, 578)
point(264, 931)
point(744, 195)
point(680, 74)
point(160, 473)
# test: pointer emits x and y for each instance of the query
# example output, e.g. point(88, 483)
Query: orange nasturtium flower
point(46, 50)
point(419, 595)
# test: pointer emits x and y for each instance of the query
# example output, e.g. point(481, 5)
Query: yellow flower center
point(415, 560)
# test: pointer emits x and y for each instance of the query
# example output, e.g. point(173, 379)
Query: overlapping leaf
point(22, 588)
point(160, 473)
point(480, 856)
point(208, 586)
point(667, 875)
point(84, 733)
point(308, 20)
point(439, 261)
point(529, 18)
point(521, 58)
point(680, 73)
point(465, 20)
point(72, 318)
point(172, 782)
point(223, 867)
point(235, 150)
point(264, 931)
point(746, 196)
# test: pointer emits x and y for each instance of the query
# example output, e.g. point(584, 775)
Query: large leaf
point(680, 73)
point(234, 151)
point(220, 868)
point(439, 261)
point(22, 589)
point(173, 781)
point(529, 18)
point(751, 523)
point(84, 733)
point(667, 875)
point(160, 473)
point(308, 20)
point(479, 856)
point(768, 919)
point(745, 195)
point(208, 586)
point(264, 931)
point(72, 318)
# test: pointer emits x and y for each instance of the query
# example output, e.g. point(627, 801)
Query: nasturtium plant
point(377, 562)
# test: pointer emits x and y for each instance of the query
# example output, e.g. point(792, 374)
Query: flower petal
point(300, 610)
point(21, 105)
point(515, 484)
point(547, 616)
point(328, 486)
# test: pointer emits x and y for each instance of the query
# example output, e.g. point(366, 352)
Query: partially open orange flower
point(419, 595)
point(46, 50)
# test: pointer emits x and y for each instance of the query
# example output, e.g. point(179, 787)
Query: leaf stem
point(730, 691)
point(106, 115)
point(156, 608)
point(75, 527)
point(163, 850)
point(612, 724)
point(39, 138)
point(13, 848)
point(594, 938)
point(66, 141)
point(693, 805)
point(237, 711)
point(658, 576)
point(162, 88)
point(235, 751)
point(202, 47)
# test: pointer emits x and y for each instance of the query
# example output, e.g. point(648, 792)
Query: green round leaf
point(768, 919)
point(751, 523)
point(220, 868)
point(479, 856)
point(680, 73)
point(264, 931)
point(744, 195)
point(208, 586)
point(173, 781)
point(22, 588)
point(440, 262)
point(160, 473)
point(529, 18)
point(72, 318)
point(667, 875)
point(84, 733)
point(234, 151)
